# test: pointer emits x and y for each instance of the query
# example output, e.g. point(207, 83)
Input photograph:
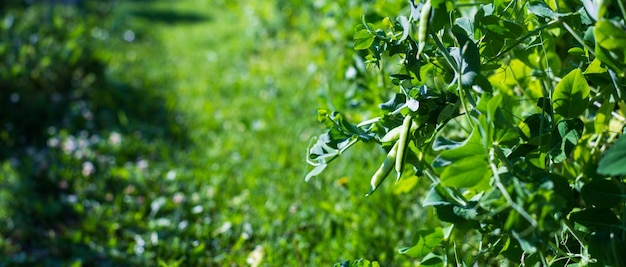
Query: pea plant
point(513, 112)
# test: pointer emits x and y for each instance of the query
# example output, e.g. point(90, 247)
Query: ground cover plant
point(508, 115)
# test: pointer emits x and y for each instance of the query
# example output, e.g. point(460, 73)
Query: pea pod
point(422, 29)
point(384, 169)
point(403, 145)
point(392, 135)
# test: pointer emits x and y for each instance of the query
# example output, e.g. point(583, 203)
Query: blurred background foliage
point(166, 133)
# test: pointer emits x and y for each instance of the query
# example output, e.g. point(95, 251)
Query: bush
point(508, 109)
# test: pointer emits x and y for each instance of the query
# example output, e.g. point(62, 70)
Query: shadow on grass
point(61, 165)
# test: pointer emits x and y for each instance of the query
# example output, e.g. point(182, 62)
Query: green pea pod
point(392, 135)
point(422, 30)
point(403, 145)
point(384, 169)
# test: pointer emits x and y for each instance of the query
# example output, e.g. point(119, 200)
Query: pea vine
point(513, 110)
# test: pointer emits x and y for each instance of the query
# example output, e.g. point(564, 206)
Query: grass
point(242, 82)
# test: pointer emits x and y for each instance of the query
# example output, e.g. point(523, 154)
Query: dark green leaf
point(544, 104)
point(535, 126)
point(443, 143)
point(440, 16)
point(467, 57)
point(432, 259)
point(502, 28)
point(571, 95)
point(466, 25)
point(348, 129)
point(448, 213)
point(394, 103)
point(565, 138)
point(614, 160)
point(597, 218)
point(602, 194)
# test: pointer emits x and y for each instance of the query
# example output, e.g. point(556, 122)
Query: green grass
point(242, 82)
point(249, 99)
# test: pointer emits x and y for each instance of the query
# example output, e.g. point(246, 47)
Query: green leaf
point(540, 9)
point(467, 57)
point(434, 198)
point(595, 67)
point(322, 115)
point(614, 160)
point(465, 165)
point(433, 260)
point(466, 172)
point(363, 39)
point(603, 116)
point(441, 195)
point(443, 143)
point(571, 96)
point(427, 241)
point(501, 27)
point(602, 194)
point(610, 47)
point(598, 218)
point(565, 138)
point(470, 147)
point(394, 103)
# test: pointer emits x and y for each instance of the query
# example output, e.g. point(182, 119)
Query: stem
point(584, 253)
point(449, 59)
point(543, 258)
point(506, 8)
point(614, 80)
point(566, 255)
point(375, 120)
point(433, 178)
point(623, 210)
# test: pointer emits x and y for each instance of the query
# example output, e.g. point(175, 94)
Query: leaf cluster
point(517, 112)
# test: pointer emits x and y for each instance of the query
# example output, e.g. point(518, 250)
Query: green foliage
point(613, 161)
point(516, 107)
